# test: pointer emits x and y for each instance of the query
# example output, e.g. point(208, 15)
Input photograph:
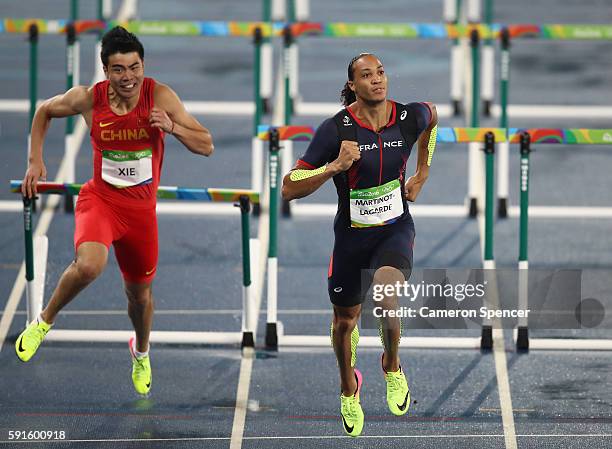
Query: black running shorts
point(367, 249)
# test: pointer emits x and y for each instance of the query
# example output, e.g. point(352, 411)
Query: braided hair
point(347, 96)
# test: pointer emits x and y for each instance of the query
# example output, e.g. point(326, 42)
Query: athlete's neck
point(121, 105)
point(375, 115)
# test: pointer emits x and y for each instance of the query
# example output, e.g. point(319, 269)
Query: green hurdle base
point(36, 262)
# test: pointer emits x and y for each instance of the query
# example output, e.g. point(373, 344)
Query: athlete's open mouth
point(128, 86)
point(379, 90)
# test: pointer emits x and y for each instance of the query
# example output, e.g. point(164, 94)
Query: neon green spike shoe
point(354, 342)
point(350, 409)
point(398, 393)
point(30, 339)
point(141, 371)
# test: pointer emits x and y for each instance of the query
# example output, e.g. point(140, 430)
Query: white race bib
point(376, 206)
point(127, 168)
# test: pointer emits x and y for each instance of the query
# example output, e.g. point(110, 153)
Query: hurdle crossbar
point(398, 30)
point(489, 136)
point(262, 69)
point(36, 261)
point(569, 136)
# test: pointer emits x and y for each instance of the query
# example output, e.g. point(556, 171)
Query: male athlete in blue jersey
point(364, 148)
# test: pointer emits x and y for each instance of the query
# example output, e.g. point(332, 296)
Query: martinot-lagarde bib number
point(377, 205)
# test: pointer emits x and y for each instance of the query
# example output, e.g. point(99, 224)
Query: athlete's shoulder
point(424, 111)
point(324, 144)
point(418, 106)
point(159, 88)
point(80, 98)
point(328, 127)
point(163, 95)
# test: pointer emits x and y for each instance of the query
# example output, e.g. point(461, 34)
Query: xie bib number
point(376, 206)
point(127, 168)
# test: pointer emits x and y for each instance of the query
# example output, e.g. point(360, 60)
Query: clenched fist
point(349, 153)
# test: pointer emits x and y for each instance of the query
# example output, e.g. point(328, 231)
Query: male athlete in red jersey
point(128, 116)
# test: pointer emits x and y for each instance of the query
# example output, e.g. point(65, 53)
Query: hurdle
point(521, 334)
point(275, 336)
point(262, 68)
point(36, 250)
point(452, 31)
point(546, 33)
point(72, 139)
point(476, 32)
point(286, 10)
point(488, 136)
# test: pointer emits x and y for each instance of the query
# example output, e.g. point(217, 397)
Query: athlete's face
point(369, 79)
point(125, 71)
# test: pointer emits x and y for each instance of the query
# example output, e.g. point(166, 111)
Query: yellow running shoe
point(398, 393)
point(141, 371)
point(350, 409)
point(30, 339)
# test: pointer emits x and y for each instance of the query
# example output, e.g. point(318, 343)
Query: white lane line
point(311, 437)
point(503, 388)
point(246, 365)
point(499, 351)
point(41, 229)
point(242, 398)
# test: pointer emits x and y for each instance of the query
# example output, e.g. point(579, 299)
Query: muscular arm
point(422, 169)
point(78, 100)
point(309, 183)
point(415, 183)
point(170, 115)
point(300, 183)
point(319, 163)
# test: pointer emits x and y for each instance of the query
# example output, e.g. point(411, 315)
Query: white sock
point(39, 319)
point(139, 355)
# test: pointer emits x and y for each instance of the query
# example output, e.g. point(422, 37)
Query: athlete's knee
point(388, 275)
point(140, 296)
point(90, 261)
point(345, 319)
point(88, 269)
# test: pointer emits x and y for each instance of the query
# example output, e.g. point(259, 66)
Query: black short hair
point(120, 40)
point(347, 96)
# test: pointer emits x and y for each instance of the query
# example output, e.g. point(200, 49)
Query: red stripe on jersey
point(391, 121)
point(303, 164)
point(380, 150)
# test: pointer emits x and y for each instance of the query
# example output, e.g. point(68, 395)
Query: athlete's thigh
point(137, 250)
point(346, 269)
point(395, 248)
point(93, 221)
